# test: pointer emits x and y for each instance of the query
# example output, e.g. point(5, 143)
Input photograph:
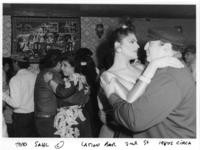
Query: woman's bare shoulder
point(107, 76)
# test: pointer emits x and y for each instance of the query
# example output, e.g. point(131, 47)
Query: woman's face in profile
point(129, 46)
point(66, 68)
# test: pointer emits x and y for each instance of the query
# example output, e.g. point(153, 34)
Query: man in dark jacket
point(44, 98)
point(46, 102)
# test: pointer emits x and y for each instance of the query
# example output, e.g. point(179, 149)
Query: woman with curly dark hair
point(86, 66)
point(72, 118)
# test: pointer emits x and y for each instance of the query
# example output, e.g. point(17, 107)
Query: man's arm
point(78, 98)
point(14, 99)
point(158, 101)
point(63, 92)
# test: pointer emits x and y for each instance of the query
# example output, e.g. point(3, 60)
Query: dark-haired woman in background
point(87, 67)
point(72, 119)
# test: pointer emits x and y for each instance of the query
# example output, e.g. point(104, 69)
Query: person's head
point(83, 52)
point(52, 60)
point(68, 64)
point(86, 66)
point(163, 42)
point(125, 42)
point(6, 64)
point(8, 68)
point(20, 63)
point(190, 53)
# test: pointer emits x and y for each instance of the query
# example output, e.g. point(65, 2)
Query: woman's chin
point(149, 59)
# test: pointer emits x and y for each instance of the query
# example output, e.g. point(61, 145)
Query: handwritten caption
point(110, 143)
point(135, 142)
point(38, 144)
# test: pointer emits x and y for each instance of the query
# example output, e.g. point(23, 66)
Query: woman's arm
point(120, 89)
point(58, 89)
point(133, 94)
point(138, 89)
point(78, 98)
point(141, 84)
point(111, 85)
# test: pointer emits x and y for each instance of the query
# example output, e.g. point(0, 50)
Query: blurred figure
point(7, 110)
point(190, 59)
point(44, 98)
point(8, 68)
point(87, 67)
point(21, 98)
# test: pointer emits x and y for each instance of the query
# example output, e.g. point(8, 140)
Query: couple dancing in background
point(61, 102)
point(155, 102)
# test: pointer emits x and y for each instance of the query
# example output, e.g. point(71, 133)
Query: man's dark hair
point(22, 64)
point(51, 59)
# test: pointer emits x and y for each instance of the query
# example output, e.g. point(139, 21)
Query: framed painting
point(37, 35)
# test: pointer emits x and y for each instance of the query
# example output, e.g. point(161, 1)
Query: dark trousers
point(23, 125)
point(10, 129)
point(44, 127)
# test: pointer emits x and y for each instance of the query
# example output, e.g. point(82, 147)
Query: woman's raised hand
point(48, 76)
point(163, 62)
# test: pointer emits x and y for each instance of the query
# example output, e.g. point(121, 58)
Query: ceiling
point(100, 10)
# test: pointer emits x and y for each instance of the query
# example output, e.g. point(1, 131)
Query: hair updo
point(106, 51)
point(122, 32)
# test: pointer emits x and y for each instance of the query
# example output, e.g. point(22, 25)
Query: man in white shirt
point(22, 98)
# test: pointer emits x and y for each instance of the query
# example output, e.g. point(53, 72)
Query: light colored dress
point(127, 77)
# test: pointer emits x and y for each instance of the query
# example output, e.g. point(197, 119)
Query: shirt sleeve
point(77, 98)
point(14, 99)
point(160, 98)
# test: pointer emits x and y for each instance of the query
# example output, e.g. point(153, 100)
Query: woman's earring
point(118, 47)
point(119, 50)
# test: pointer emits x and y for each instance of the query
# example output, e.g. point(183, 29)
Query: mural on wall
point(35, 36)
point(90, 39)
point(6, 36)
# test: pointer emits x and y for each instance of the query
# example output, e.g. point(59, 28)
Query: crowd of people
point(70, 97)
